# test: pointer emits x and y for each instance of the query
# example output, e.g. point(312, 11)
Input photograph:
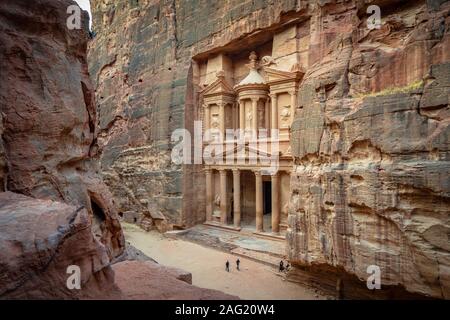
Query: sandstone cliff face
point(141, 62)
point(48, 130)
point(47, 153)
point(40, 239)
point(371, 143)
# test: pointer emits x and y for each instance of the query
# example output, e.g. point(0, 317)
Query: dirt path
point(254, 281)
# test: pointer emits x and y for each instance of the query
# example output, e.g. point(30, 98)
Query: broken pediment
point(218, 87)
point(245, 151)
point(275, 75)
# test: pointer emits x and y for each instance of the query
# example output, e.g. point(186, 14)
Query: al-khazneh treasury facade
point(255, 95)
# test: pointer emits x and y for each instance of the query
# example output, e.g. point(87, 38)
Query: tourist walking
point(227, 266)
point(281, 266)
point(237, 263)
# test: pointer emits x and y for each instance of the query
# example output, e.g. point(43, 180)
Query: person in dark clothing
point(227, 266)
point(237, 263)
point(281, 266)
point(287, 266)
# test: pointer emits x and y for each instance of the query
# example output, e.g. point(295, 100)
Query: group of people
point(227, 265)
point(282, 268)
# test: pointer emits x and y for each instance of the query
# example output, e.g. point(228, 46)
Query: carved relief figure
point(267, 61)
point(217, 200)
point(285, 115)
point(215, 121)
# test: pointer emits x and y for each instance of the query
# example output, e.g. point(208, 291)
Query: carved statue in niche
point(285, 115)
point(217, 200)
point(215, 126)
point(215, 121)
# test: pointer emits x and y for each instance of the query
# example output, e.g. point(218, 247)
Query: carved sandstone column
point(209, 194)
point(222, 120)
point(223, 197)
point(255, 117)
point(275, 203)
point(259, 202)
point(267, 115)
point(274, 113)
point(241, 115)
point(235, 116)
point(237, 197)
point(207, 118)
point(293, 104)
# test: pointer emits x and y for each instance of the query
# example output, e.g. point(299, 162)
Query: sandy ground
point(207, 265)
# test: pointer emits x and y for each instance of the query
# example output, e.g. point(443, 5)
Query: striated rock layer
point(145, 78)
point(371, 142)
point(39, 240)
point(49, 135)
point(370, 138)
point(61, 214)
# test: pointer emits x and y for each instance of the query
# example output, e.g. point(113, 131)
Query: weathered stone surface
point(49, 119)
point(48, 150)
point(150, 281)
point(141, 60)
point(39, 240)
point(371, 145)
point(370, 139)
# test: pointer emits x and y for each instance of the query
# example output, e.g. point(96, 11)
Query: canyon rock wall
point(370, 136)
point(56, 213)
point(371, 142)
point(141, 62)
point(40, 239)
point(49, 135)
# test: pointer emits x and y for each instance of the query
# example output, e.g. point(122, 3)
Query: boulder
point(39, 241)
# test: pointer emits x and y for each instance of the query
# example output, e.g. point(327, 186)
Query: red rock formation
point(370, 140)
point(48, 153)
point(150, 281)
point(49, 117)
point(40, 239)
point(371, 146)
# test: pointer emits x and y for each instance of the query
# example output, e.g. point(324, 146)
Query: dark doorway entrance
point(267, 196)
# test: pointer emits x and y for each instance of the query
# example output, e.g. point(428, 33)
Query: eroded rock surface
point(370, 140)
point(150, 281)
point(39, 240)
point(48, 113)
point(141, 62)
point(371, 144)
point(64, 215)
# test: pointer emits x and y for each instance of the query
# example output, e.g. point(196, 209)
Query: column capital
point(235, 170)
point(208, 170)
point(257, 173)
point(275, 175)
point(293, 92)
point(223, 171)
point(255, 99)
point(273, 95)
